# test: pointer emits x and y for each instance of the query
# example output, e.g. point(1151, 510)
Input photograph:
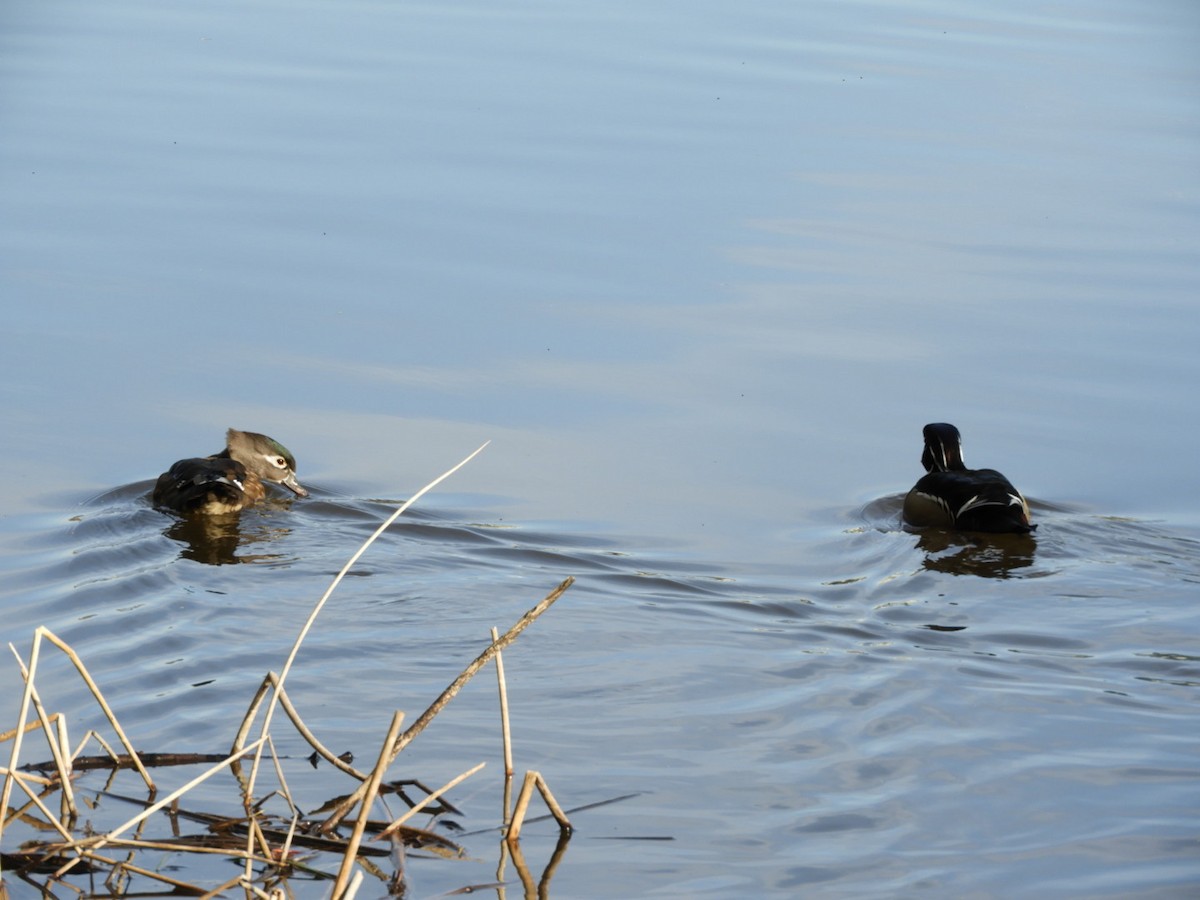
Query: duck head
point(265, 457)
point(943, 448)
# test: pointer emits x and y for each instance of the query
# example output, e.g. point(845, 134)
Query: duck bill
point(294, 486)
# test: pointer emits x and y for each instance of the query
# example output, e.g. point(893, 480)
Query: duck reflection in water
point(215, 540)
point(209, 492)
point(985, 555)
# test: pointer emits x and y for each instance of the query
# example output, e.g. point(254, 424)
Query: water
point(700, 274)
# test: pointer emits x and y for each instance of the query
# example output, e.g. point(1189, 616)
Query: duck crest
point(230, 480)
point(950, 495)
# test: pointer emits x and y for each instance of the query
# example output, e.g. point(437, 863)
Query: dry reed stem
point(54, 821)
point(518, 817)
point(29, 776)
point(372, 784)
point(95, 689)
point(254, 833)
point(116, 757)
point(95, 843)
point(534, 779)
point(449, 693)
point(53, 738)
point(6, 736)
point(312, 617)
point(221, 889)
point(143, 844)
point(83, 743)
point(286, 849)
point(506, 740)
point(322, 751)
point(28, 697)
point(425, 801)
point(239, 739)
point(505, 732)
point(478, 663)
point(286, 792)
point(65, 743)
point(560, 817)
point(15, 754)
point(147, 873)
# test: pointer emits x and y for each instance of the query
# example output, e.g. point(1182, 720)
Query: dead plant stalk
point(95, 843)
point(312, 617)
point(449, 693)
point(351, 854)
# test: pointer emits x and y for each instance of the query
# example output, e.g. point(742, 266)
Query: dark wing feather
point(209, 483)
point(973, 500)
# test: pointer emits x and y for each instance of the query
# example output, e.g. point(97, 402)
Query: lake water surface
point(700, 273)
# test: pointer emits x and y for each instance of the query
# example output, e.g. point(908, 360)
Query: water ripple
point(852, 700)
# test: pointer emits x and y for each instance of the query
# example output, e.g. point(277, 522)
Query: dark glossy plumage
point(228, 481)
point(952, 496)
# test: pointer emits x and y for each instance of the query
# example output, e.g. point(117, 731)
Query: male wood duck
point(953, 496)
point(230, 480)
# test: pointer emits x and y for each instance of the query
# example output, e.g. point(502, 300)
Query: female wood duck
point(230, 480)
point(953, 496)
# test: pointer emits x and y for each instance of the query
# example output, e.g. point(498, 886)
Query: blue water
point(700, 273)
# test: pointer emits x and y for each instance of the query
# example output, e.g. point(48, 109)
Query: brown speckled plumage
point(228, 481)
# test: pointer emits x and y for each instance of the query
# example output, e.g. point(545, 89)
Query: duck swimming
point(953, 496)
point(228, 481)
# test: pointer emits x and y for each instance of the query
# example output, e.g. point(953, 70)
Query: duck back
point(210, 485)
point(972, 500)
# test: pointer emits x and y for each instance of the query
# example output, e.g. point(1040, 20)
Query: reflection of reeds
point(255, 837)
